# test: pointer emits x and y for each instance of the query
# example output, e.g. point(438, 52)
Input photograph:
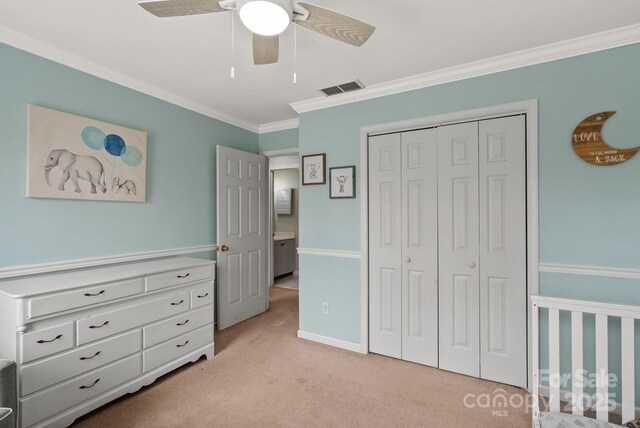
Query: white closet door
point(458, 248)
point(503, 289)
point(420, 247)
point(385, 225)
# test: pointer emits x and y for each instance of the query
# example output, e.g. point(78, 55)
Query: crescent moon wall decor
point(589, 145)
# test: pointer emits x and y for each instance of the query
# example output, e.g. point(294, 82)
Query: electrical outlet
point(325, 307)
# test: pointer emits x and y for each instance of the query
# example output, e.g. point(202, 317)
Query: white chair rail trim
point(330, 253)
point(13, 271)
point(607, 272)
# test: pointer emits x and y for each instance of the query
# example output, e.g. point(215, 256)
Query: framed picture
point(74, 157)
point(342, 182)
point(313, 169)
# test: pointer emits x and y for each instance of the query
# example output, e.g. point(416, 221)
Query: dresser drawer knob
point(178, 303)
point(95, 294)
point(49, 341)
point(180, 324)
point(203, 295)
point(184, 276)
point(184, 344)
point(90, 386)
point(99, 326)
point(90, 358)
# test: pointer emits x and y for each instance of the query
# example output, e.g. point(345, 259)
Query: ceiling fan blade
point(266, 49)
point(167, 8)
point(336, 25)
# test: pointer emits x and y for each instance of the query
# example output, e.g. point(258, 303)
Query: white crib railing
point(602, 312)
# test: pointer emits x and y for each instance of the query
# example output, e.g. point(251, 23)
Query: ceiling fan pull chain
point(233, 27)
point(295, 54)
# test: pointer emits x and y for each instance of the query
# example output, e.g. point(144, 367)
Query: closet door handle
point(183, 276)
point(184, 344)
point(95, 294)
point(99, 326)
point(90, 358)
point(180, 324)
point(49, 341)
point(408, 260)
point(177, 303)
point(472, 265)
point(90, 386)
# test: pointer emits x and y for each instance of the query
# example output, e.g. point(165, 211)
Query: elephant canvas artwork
point(73, 157)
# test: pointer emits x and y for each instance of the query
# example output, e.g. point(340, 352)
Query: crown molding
point(61, 56)
point(278, 126)
point(569, 48)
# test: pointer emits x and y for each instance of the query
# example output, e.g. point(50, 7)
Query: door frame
point(270, 168)
point(528, 107)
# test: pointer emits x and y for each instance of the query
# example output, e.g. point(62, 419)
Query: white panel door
point(420, 247)
point(503, 270)
point(385, 226)
point(459, 347)
point(241, 225)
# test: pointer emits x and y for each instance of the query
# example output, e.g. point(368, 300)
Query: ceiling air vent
point(345, 87)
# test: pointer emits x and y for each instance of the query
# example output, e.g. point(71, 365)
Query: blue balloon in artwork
point(93, 137)
point(114, 145)
point(131, 156)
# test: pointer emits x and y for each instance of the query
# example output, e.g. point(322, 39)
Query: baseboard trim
point(329, 253)
point(606, 272)
point(14, 271)
point(336, 343)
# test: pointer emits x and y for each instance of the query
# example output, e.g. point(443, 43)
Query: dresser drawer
point(174, 348)
point(178, 277)
point(44, 373)
point(176, 326)
point(48, 341)
point(45, 305)
point(47, 403)
point(202, 295)
point(106, 324)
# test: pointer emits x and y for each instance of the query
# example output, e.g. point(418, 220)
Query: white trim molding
point(329, 253)
point(528, 107)
point(337, 343)
point(13, 271)
point(282, 152)
point(565, 49)
point(61, 56)
point(605, 272)
point(278, 126)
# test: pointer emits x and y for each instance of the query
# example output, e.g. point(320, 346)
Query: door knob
point(223, 248)
point(408, 260)
point(472, 265)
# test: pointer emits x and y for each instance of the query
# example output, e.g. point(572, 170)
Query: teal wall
point(278, 140)
point(181, 199)
point(588, 215)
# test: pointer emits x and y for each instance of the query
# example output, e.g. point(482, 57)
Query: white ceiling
point(187, 59)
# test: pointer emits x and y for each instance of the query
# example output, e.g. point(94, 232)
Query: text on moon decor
point(589, 145)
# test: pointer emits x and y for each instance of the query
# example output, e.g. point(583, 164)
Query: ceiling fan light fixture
point(265, 17)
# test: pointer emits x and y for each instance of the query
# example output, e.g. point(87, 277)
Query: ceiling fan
point(268, 18)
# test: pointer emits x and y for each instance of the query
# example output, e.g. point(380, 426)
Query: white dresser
point(83, 338)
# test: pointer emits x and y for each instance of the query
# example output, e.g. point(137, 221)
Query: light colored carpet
point(263, 375)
